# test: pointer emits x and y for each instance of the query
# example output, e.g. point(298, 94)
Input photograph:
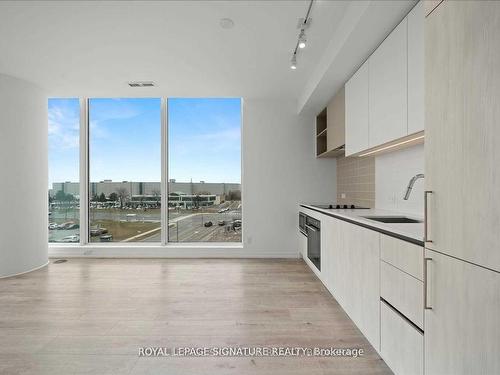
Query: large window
point(124, 170)
point(204, 170)
point(135, 149)
point(64, 171)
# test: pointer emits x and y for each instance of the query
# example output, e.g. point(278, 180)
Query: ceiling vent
point(141, 84)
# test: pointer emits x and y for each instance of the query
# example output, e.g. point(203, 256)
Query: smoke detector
point(226, 23)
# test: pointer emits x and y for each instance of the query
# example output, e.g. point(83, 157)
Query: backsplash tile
point(356, 179)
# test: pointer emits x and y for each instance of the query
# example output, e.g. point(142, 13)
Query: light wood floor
point(91, 316)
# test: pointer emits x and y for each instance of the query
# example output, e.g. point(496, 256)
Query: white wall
point(392, 174)
point(23, 173)
point(280, 171)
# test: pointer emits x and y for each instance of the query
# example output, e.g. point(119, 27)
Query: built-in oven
point(313, 232)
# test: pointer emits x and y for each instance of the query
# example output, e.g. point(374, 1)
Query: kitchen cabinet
point(362, 284)
point(335, 120)
point(430, 5)
point(403, 255)
point(302, 244)
point(401, 344)
point(403, 292)
point(328, 243)
point(330, 128)
point(462, 153)
point(388, 89)
point(416, 57)
point(356, 112)
point(462, 330)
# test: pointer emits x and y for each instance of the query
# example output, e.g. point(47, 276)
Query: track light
point(302, 24)
point(302, 40)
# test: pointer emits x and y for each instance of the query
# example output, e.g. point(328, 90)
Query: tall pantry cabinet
point(462, 149)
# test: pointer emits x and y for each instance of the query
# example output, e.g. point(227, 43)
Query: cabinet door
point(416, 58)
point(326, 250)
point(335, 121)
point(430, 5)
point(462, 152)
point(356, 115)
point(462, 330)
point(302, 244)
point(388, 88)
point(362, 292)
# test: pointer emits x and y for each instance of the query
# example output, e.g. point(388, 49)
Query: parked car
point(221, 223)
point(72, 226)
point(53, 226)
point(208, 224)
point(237, 223)
point(106, 238)
point(95, 232)
point(73, 238)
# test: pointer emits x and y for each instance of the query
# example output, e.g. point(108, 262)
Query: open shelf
point(322, 134)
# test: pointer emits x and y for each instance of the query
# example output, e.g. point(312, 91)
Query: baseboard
point(166, 252)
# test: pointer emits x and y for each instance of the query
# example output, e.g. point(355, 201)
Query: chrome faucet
point(410, 185)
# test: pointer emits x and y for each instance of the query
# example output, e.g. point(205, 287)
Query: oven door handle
point(309, 227)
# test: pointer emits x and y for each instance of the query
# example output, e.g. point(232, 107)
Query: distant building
point(151, 190)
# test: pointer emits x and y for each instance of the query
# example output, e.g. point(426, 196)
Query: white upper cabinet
point(356, 111)
point(384, 99)
point(388, 108)
point(416, 59)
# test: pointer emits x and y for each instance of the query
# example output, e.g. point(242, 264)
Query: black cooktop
point(335, 206)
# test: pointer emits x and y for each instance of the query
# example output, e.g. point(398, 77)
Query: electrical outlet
point(342, 195)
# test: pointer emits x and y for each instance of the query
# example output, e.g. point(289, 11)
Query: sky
point(125, 139)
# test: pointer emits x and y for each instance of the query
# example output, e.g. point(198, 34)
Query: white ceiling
point(94, 47)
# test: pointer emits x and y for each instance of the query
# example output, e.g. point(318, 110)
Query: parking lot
point(185, 225)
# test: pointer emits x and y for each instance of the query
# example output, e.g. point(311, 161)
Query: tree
point(156, 194)
point(122, 195)
point(234, 195)
point(102, 197)
point(113, 197)
point(60, 196)
point(196, 201)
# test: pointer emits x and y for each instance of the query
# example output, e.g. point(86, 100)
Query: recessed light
point(226, 23)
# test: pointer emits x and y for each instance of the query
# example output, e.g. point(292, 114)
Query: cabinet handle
point(426, 307)
point(426, 236)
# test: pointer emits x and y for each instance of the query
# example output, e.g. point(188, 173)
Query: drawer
point(401, 344)
point(404, 292)
point(403, 255)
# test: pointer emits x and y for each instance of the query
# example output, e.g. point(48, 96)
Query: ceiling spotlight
point(302, 40)
point(293, 63)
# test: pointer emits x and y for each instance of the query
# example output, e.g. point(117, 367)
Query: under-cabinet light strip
point(391, 146)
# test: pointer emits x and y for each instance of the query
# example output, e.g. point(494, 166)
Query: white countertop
point(410, 230)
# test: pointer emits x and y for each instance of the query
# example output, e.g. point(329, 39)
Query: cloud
point(64, 127)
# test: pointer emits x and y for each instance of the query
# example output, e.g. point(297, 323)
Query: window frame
point(164, 241)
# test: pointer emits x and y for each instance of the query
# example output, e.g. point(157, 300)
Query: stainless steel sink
point(393, 219)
